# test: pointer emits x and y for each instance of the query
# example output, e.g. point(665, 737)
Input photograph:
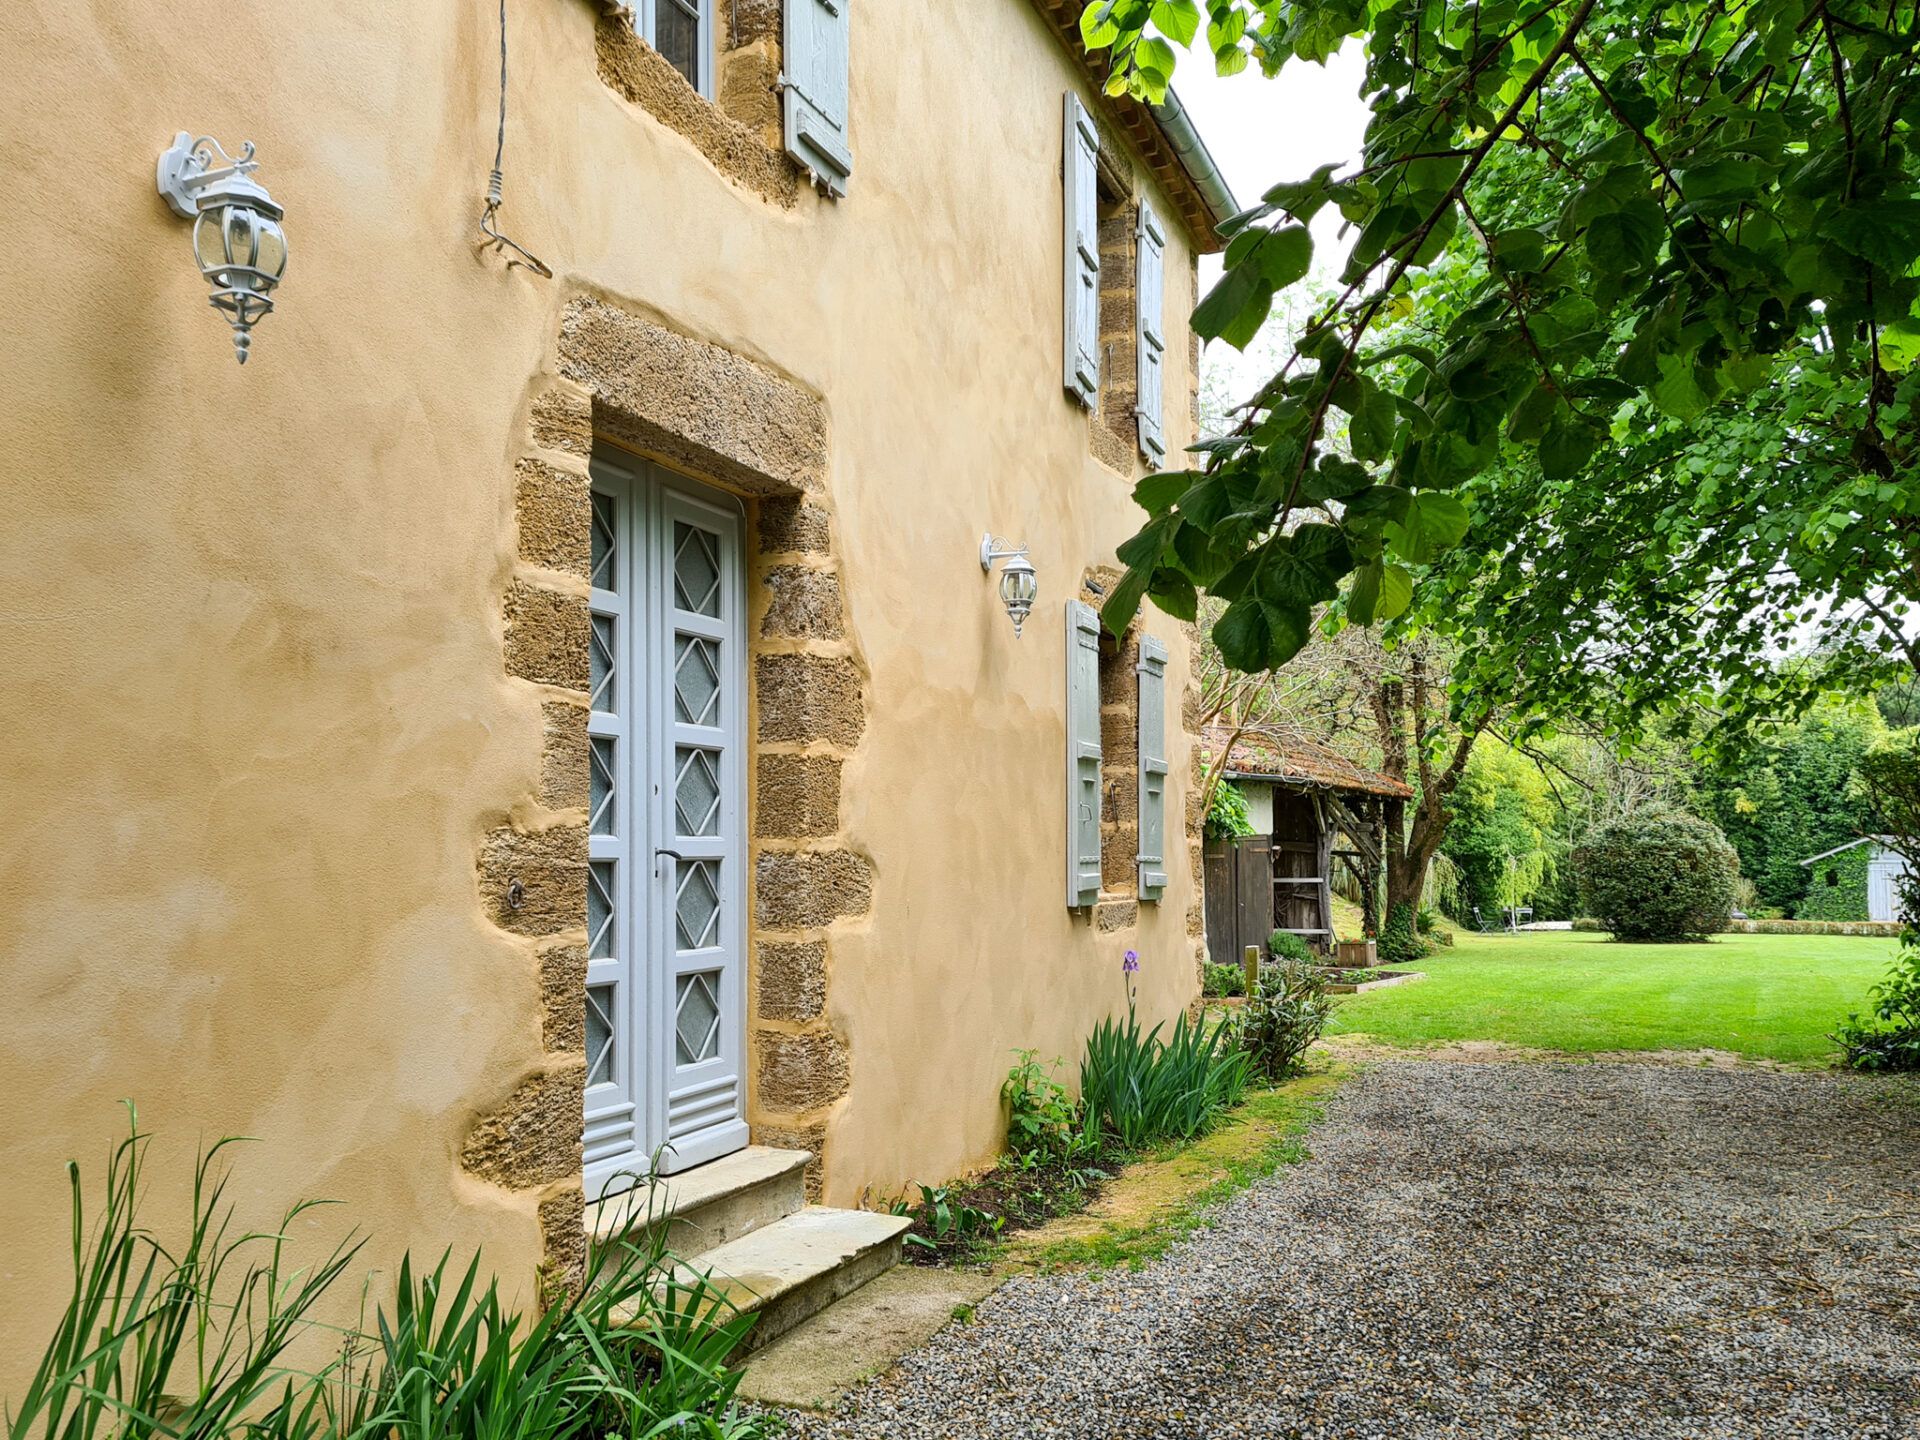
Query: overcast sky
point(1264, 131)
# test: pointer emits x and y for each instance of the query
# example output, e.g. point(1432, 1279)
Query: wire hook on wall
point(500, 244)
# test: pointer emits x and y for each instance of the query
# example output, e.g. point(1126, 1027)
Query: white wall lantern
point(1018, 582)
point(237, 238)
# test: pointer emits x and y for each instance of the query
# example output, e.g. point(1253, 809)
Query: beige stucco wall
point(255, 719)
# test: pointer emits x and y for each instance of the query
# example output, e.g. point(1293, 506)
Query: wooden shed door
point(1239, 901)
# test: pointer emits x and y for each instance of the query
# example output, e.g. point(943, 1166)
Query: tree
point(1621, 368)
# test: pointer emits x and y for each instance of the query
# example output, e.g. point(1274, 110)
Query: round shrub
point(1658, 874)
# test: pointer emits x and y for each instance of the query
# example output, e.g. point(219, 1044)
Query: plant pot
point(1357, 954)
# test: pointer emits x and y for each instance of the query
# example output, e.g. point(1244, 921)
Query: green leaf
point(1626, 241)
point(1302, 199)
point(1568, 445)
point(1677, 391)
point(1235, 308)
point(1531, 415)
point(1096, 26)
point(1396, 593)
point(1147, 546)
point(1335, 478)
point(1157, 493)
point(1178, 20)
point(1256, 634)
point(1174, 593)
point(1364, 596)
point(1285, 255)
point(1521, 251)
point(1434, 521)
point(1370, 430)
point(1124, 603)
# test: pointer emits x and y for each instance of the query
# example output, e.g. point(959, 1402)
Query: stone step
point(715, 1203)
point(798, 1266)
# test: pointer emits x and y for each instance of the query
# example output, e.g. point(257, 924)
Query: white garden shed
point(1884, 871)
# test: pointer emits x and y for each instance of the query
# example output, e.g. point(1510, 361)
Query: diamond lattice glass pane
point(696, 1022)
point(677, 36)
point(696, 569)
point(696, 681)
point(696, 793)
point(602, 571)
point(600, 910)
point(696, 908)
point(600, 806)
point(600, 1056)
point(600, 663)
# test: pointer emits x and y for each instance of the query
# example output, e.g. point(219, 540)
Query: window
point(682, 31)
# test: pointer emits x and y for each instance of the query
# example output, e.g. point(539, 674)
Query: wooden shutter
point(1078, 169)
point(814, 89)
point(1152, 670)
point(1083, 754)
point(1151, 340)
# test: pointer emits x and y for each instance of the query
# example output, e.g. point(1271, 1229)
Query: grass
point(1167, 1195)
point(1766, 996)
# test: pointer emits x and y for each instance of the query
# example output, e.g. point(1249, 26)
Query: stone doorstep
point(798, 1266)
point(715, 1203)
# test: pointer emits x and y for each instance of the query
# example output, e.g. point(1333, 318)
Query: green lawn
point(1764, 995)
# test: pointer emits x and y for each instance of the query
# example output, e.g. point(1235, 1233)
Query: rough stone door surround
point(733, 423)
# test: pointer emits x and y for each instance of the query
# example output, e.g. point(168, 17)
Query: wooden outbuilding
point(1310, 807)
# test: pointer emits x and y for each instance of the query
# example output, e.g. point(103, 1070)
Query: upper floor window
point(682, 31)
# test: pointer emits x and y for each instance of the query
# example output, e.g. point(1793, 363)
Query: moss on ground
point(1157, 1200)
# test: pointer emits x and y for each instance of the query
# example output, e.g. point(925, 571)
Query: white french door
point(666, 1027)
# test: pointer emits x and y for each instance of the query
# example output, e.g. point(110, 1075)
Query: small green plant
point(1399, 942)
point(188, 1343)
point(1285, 1016)
point(1220, 980)
point(1043, 1120)
point(1890, 1038)
point(1141, 1089)
point(1285, 945)
point(1227, 814)
point(945, 1222)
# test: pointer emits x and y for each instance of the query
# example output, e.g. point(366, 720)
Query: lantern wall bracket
point(993, 548)
point(188, 166)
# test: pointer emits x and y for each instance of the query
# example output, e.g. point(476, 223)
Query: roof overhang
point(1164, 135)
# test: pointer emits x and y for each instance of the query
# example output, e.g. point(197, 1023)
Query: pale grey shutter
point(1083, 754)
point(1151, 339)
point(1079, 167)
point(814, 89)
point(1153, 768)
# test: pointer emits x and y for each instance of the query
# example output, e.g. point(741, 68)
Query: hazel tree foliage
point(1618, 383)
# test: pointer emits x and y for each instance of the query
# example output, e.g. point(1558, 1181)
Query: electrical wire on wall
point(516, 253)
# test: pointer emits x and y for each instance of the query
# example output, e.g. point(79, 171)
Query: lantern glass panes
point(1018, 588)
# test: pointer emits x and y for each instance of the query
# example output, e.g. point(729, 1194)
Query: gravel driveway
point(1491, 1250)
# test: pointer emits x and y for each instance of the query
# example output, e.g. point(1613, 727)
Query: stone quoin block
point(552, 515)
point(788, 525)
point(563, 1005)
point(1112, 915)
point(546, 635)
point(801, 1072)
point(563, 755)
point(551, 868)
point(1196, 920)
point(749, 88)
point(563, 1242)
point(808, 889)
point(797, 796)
point(809, 697)
point(791, 980)
point(811, 1138)
point(562, 419)
point(533, 1139)
point(752, 20)
point(805, 603)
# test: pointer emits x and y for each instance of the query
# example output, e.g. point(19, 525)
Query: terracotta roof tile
point(1295, 760)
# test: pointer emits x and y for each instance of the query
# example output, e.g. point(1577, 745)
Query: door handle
point(663, 850)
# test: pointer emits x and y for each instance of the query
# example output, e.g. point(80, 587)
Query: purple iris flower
point(1132, 963)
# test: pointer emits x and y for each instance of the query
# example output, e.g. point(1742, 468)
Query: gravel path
point(1488, 1251)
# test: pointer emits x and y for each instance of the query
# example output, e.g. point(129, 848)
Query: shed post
point(1252, 962)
